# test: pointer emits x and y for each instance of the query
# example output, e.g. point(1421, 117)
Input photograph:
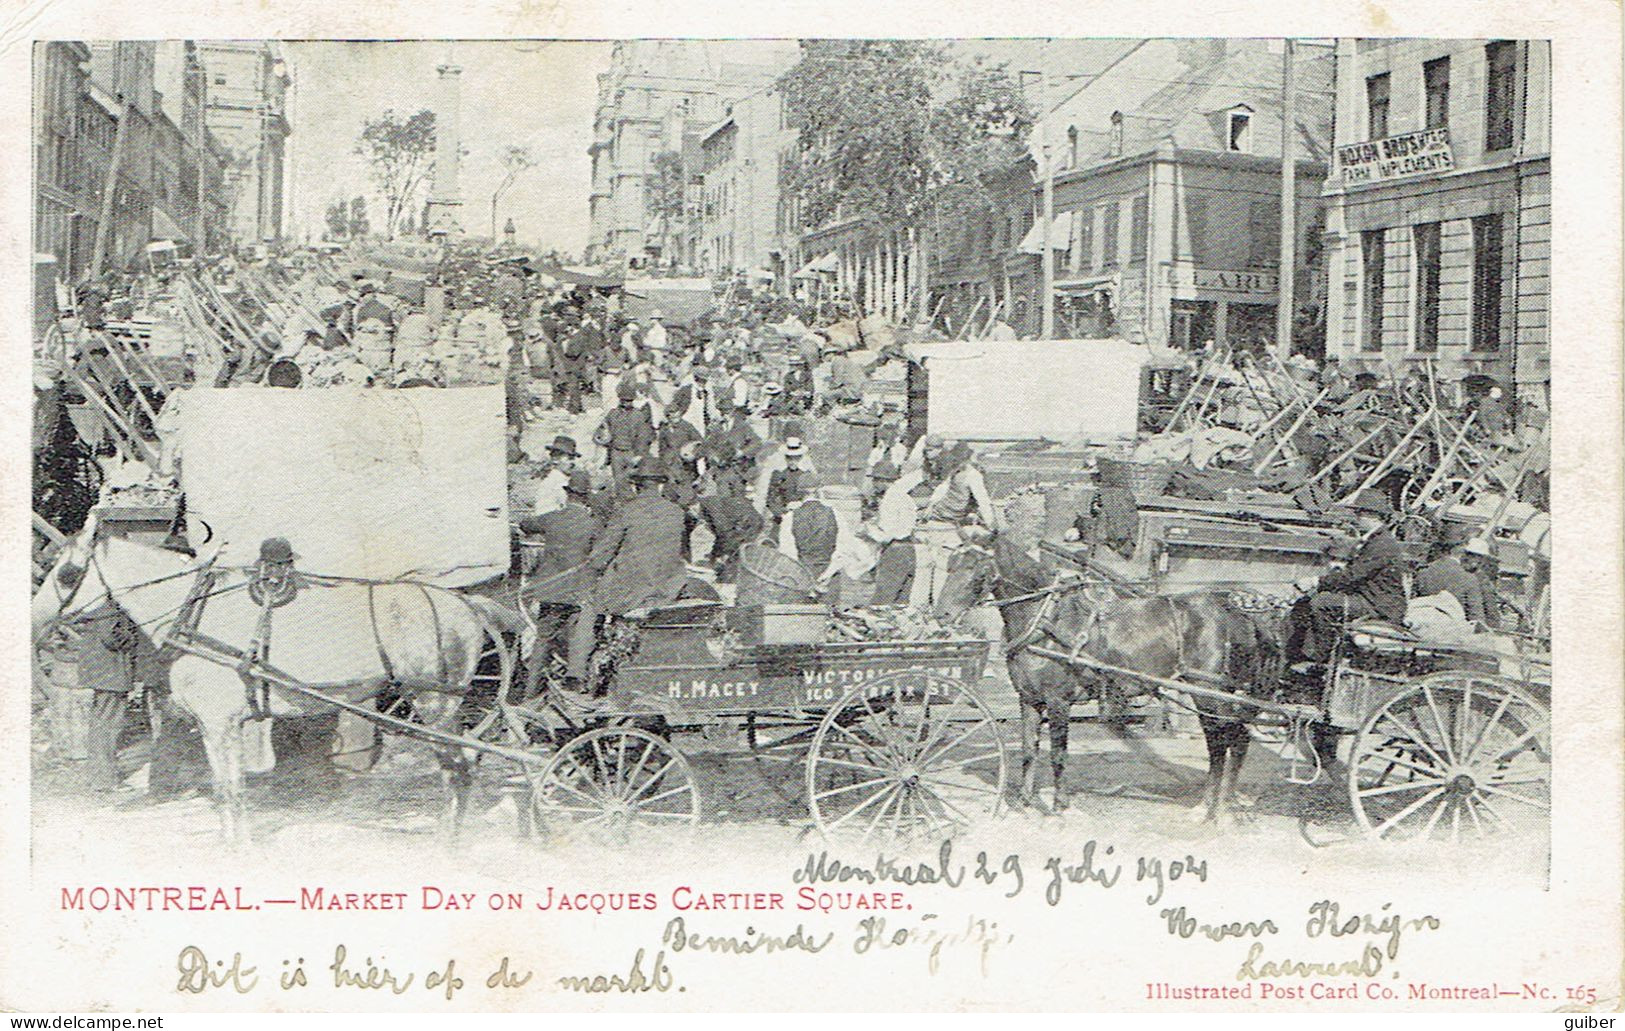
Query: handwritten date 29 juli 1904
point(1328, 941)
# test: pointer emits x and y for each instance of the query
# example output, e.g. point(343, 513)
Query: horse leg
point(229, 785)
point(1214, 736)
point(1031, 719)
point(1060, 725)
point(1236, 740)
point(457, 778)
point(439, 710)
point(219, 710)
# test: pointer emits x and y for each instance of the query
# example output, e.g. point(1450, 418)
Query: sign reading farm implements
point(1397, 157)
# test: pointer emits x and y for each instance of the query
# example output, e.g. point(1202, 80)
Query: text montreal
point(154, 898)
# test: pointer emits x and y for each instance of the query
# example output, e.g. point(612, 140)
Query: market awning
point(1060, 235)
point(1108, 282)
point(811, 270)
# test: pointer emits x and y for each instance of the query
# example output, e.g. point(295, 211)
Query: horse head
point(97, 568)
point(967, 583)
point(69, 588)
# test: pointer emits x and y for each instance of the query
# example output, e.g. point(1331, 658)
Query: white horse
point(349, 640)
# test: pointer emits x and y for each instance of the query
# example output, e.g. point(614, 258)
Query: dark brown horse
point(1197, 638)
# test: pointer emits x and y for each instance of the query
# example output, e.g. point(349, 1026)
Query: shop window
point(1371, 253)
point(1108, 236)
point(1487, 282)
point(1086, 240)
point(1500, 93)
point(1436, 89)
point(1376, 106)
point(1139, 217)
point(1425, 237)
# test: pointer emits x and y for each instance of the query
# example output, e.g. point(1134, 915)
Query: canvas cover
point(1064, 390)
point(379, 484)
point(679, 301)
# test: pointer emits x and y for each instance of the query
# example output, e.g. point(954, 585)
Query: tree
point(665, 192)
point(338, 221)
point(359, 224)
point(409, 226)
point(515, 159)
point(899, 135)
point(401, 152)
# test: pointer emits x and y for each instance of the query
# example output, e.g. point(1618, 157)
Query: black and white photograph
point(632, 515)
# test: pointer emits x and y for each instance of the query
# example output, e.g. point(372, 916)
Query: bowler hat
point(563, 445)
point(276, 549)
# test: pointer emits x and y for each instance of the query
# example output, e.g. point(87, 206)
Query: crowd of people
point(755, 447)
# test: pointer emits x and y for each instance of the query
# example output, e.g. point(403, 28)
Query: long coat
point(639, 557)
point(107, 647)
point(1375, 573)
point(567, 536)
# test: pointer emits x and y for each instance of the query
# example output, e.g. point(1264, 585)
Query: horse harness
point(271, 585)
point(1042, 624)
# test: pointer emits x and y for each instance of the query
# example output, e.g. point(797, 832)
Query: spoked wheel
point(1456, 755)
point(905, 755)
point(614, 779)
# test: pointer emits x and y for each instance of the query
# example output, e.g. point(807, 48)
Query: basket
point(769, 577)
point(1143, 478)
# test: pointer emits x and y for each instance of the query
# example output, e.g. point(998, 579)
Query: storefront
point(1233, 307)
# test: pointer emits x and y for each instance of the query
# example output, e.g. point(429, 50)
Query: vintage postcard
point(539, 510)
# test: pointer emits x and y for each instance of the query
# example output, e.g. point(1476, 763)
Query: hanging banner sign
point(1397, 157)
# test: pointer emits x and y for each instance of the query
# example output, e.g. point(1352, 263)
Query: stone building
point(247, 87)
point(741, 158)
point(69, 165)
point(1167, 209)
point(1439, 222)
point(655, 94)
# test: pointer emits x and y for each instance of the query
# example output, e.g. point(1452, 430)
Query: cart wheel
point(1462, 754)
point(615, 778)
point(907, 754)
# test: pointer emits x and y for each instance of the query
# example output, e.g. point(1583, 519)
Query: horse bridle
point(1046, 609)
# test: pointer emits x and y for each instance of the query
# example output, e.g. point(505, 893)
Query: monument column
point(445, 196)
